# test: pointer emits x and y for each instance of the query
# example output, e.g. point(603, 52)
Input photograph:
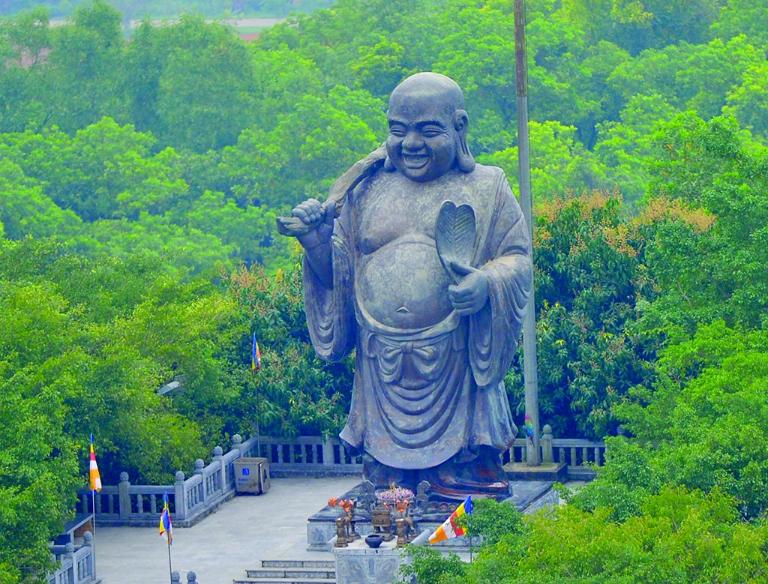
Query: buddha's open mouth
point(415, 161)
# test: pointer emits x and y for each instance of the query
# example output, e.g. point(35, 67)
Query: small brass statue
point(341, 532)
point(402, 537)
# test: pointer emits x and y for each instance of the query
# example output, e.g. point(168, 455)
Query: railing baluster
point(573, 456)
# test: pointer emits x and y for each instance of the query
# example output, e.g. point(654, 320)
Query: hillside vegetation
point(139, 184)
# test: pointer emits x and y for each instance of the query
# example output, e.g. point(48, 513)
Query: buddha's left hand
point(471, 294)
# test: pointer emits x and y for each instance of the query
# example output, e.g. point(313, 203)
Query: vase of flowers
point(396, 499)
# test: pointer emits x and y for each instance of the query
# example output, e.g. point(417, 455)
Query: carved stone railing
point(192, 498)
point(305, 454)
point(580, 456)
point(75, 563)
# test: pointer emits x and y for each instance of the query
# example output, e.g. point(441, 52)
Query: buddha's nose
point(412, 142)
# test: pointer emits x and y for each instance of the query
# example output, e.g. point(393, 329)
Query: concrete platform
point(222, 546)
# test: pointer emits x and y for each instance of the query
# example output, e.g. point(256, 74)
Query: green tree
point(680, 537)
point(559, 162)
point(84, 64)
point(205, 92)
point(747, 102)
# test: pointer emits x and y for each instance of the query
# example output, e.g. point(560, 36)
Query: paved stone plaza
point(242, 532)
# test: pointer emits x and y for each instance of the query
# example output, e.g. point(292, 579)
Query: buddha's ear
point(464, 159)
point(388, 164)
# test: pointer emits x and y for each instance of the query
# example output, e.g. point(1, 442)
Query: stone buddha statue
point(433, 336)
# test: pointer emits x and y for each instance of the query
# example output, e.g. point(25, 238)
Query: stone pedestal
point(359, 564)
point(527, 496)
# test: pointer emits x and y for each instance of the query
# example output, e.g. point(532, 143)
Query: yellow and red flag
point(450, 527)
point(94, 478)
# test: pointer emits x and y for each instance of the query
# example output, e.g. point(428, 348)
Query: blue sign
point(246, 472)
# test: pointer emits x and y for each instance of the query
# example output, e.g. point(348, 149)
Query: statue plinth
point(552, 471)
point(360, 564)
point(528, 496)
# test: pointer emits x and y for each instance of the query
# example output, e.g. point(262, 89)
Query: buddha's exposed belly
point(403, 284)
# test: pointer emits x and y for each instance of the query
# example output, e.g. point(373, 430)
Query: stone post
point(192, 578)
point(218, 457)
point(175, 578)
point(546, 444)
point(69, 553)
point(180, 496)
point(327, 452)
point(237, 443)
point(123, 496)
point(199, 466)
point(88, 542)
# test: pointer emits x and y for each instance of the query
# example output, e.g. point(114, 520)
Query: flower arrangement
point(398, 497)
point(346, 504)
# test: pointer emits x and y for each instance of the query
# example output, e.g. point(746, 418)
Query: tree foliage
point(140, 179)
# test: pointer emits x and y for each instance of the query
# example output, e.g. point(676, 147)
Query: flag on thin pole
point(255, 355)
point(450, 527)
point(166, 526)
point(166, 531)
point(94, 478)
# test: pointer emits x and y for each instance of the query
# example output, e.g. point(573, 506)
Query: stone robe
point(428, 384)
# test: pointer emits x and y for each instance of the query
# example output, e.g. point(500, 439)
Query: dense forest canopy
point(140, 178)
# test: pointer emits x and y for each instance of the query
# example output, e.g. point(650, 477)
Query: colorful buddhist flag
point(530, 432)
point(255, 355)
point(94, 478)
point(166, 526)
point(451, 528)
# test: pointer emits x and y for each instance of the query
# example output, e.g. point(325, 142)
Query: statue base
point(358, 563)
point(528, 496)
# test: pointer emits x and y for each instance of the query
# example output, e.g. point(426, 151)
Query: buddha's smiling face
point(423, 139)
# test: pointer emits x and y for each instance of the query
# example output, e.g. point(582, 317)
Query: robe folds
point(424, 395)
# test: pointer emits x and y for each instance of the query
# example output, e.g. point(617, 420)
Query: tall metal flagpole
point(93, 548)
point(530, 374)
point(255, 366)
point(170, 566)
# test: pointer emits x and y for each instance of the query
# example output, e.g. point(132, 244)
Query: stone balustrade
point(192, 498)
point(75, 563)
point(579, 455)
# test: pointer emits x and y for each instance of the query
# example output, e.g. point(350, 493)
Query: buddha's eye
point(431, 131)
point(398, 131)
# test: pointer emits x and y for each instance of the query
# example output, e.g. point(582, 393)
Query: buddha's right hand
point(318, 219)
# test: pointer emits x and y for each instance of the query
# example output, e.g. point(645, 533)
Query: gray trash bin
point(252, 475)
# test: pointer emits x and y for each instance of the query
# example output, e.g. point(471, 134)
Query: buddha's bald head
point(431, 86)
point(427, 128)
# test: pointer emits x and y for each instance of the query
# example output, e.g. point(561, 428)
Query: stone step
point(284, 581)
point(308, 573)
point(327, 564)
